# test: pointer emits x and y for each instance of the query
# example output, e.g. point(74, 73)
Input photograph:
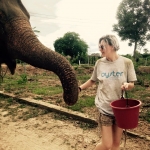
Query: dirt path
point(46, 133)
point(24, 127)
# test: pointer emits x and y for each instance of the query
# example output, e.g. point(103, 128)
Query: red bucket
point(127, 116)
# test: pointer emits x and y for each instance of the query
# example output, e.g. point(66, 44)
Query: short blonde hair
point(111, 40)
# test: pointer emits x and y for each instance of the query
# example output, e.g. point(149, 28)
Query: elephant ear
point(11, 63)
point(4, 56)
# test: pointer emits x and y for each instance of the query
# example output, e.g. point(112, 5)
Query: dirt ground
point(49, 131)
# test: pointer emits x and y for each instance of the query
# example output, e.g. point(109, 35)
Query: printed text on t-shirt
point(111, 74)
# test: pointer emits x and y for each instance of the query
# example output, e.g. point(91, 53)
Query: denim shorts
point(106, 120)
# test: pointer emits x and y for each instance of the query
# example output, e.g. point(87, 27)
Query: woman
point(114, 74)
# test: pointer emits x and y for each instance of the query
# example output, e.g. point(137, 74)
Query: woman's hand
point(127, 86)
point(79, 89)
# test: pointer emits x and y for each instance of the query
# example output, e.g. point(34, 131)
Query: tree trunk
point(135, 47)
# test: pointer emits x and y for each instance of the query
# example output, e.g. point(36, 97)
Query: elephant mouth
point(23, 44)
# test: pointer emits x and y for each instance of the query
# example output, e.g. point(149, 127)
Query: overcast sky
point(91, 19)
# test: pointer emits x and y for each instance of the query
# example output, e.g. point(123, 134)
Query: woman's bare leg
point(107, 138)
point(111, 137)
point(117, 134)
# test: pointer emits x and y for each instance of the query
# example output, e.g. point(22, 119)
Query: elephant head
point(18, 41)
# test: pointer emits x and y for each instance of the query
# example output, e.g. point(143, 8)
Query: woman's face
point(105, 49)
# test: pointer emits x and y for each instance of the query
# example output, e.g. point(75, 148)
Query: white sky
point(91, 19)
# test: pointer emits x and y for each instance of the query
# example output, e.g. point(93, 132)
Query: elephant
point(18, 41)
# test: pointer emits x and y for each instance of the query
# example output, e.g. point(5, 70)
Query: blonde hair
point(111, 40)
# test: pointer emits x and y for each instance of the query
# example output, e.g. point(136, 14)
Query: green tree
point(133, 22)
point(34, 30)
point(71, 44)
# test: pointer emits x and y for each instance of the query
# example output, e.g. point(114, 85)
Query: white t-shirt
point(111, 75)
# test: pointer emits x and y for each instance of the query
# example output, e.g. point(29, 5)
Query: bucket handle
point(127, 102)
point(127, 105)
point(122, 95)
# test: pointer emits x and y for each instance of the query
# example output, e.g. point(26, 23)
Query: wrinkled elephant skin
point(18, 41)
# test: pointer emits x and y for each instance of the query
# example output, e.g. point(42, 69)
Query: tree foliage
point(71, 44)
point(134, 22)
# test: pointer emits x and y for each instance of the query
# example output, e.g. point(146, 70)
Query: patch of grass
point(58, 116)
point(56, 90)
point(38, 98)
point(12, 106)
point(23, 79)
point(16, 84)
point(47, 90)
point(40, 91)
point(87, 101)
point(22, 106)
point(86, 126)
point(83, 78)
point(58, 101)
point(136, 92)
point(10, 100)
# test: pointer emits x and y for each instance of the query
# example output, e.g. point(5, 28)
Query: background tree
point(34, 30)
point(71, 44)
point(134, 22)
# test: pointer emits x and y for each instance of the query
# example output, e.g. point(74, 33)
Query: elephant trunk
point(24, 45)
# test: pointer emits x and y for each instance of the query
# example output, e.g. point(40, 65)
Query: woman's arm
point(86, 84)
